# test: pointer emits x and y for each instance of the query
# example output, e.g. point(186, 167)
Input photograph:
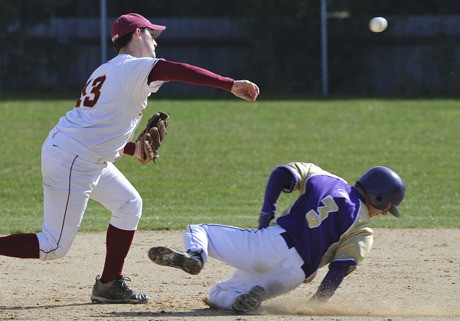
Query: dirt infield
point(410, 274)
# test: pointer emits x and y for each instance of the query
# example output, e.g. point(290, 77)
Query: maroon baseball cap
point(129, 22)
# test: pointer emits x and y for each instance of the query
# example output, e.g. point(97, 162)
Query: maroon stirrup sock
point(118, 243)
point(24, 246)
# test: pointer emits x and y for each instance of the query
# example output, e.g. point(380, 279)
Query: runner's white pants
point(261, 257)
point(71, 175)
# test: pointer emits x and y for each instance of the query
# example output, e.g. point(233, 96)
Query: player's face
point(149, 44)
point(375, 212)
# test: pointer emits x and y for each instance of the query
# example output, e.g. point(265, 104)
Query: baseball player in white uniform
point(78, 155)
point(328, 224)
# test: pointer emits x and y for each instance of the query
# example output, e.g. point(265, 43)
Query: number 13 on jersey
point(89, 96)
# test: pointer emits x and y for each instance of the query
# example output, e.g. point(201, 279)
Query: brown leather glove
point(152, 136)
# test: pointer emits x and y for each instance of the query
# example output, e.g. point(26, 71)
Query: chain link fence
point(275, 43)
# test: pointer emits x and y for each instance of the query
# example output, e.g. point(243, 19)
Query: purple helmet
point(383, 186)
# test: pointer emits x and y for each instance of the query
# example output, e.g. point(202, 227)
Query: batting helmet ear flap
point(383, 187)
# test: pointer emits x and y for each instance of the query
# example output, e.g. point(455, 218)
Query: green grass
point(218, 155)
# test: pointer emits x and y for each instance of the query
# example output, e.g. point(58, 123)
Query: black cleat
point(116, 291)
point(191, 263)
point(249, 301)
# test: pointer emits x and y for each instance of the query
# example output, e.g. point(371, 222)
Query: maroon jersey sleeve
point(176, 71)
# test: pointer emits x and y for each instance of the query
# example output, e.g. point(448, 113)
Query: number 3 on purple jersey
point(314, 218)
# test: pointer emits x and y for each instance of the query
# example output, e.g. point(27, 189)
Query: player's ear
point(138, 32)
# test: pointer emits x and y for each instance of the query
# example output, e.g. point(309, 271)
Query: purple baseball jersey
point(320, 218)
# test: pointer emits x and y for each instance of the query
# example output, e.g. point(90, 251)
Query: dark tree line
point(284, 36)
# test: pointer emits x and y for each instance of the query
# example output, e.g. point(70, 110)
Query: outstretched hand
point(245, 89)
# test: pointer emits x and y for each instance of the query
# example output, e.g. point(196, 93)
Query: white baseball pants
point(261, 257)
point(71, 175)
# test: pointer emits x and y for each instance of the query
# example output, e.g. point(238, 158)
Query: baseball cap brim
point(129, 22)
point(394, 210)
point(157, 29)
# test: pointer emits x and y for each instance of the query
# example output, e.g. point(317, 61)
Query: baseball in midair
point(378, 24)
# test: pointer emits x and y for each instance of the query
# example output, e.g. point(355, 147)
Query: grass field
point(218, 155)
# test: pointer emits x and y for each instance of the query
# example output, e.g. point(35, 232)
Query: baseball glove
point(152, 136)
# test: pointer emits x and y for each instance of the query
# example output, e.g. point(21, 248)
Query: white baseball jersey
point(111, 106)
point(77, 156)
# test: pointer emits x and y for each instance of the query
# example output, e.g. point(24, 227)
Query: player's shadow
point(194, 313)
point(49, 306)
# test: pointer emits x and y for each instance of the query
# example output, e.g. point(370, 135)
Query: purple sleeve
point(280, 179)
point(337, 272)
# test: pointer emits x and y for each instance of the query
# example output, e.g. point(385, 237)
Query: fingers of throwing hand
point(245, 89)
